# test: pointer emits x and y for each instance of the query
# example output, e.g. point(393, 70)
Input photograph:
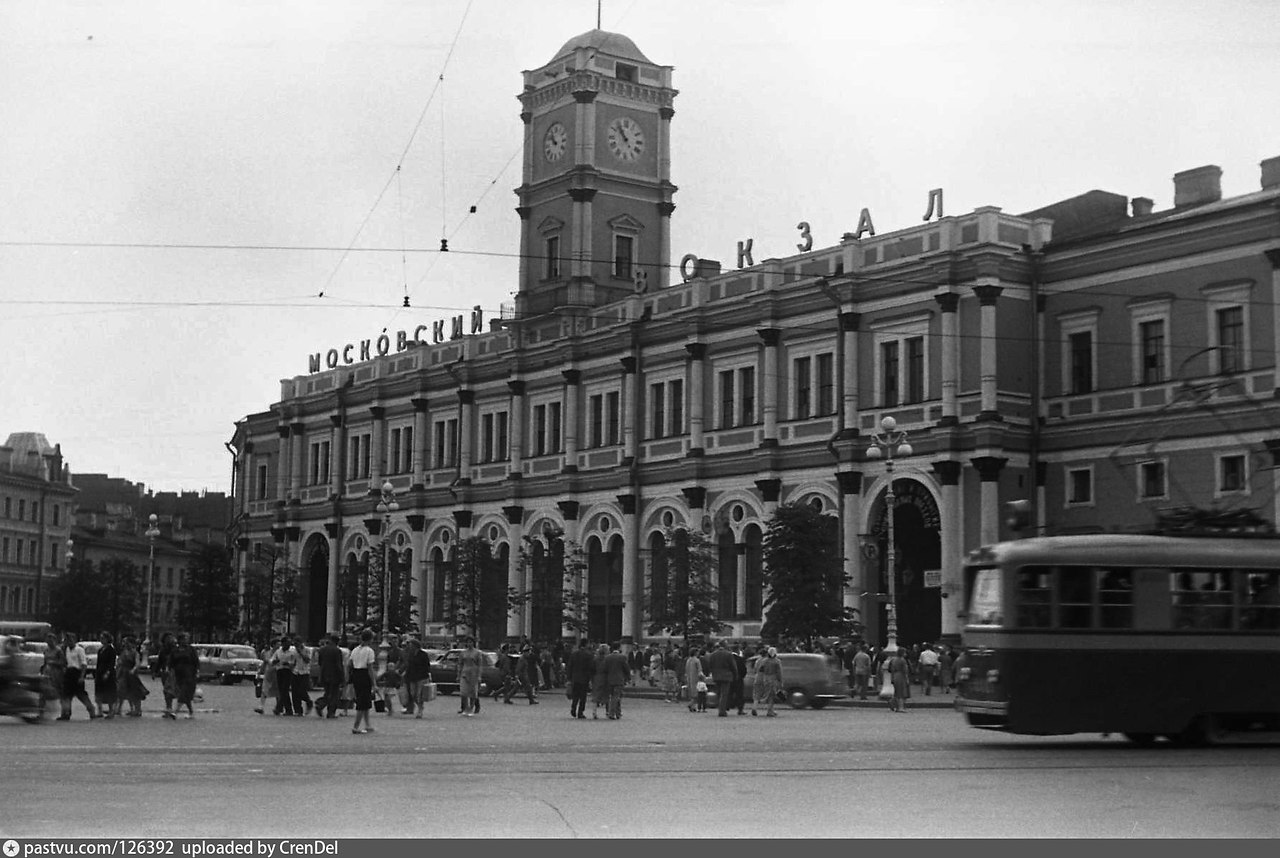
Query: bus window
point(1262, 601)
point(1115, 594)
point(985, 605)
point(1202, 600)
point(1034, 598)
point(1075, 597)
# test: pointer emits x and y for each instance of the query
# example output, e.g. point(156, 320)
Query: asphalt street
point(532, 771)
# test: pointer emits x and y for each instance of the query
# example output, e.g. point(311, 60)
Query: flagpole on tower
point(598, 2)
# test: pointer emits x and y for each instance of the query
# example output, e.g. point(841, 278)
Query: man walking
point(582, 667)
point(417, 675)
point(301, 679)
point(617, 674)
point(861, 671)
point(738, 687)
point(331, 677)
point(284, 659)
point(723, 671)
point(928, 668)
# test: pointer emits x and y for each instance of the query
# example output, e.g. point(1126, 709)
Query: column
point(770, 492)
point(462, 525)
point(377, 447)
point(950, 303)
point(466, 434)
point(662, 271)
point(572, 378)
point(630, 409)
point(989, 468)
point(740, 596)
point(333, 531)
point(849, 323)
point(987, 296)
point(696, 371)
point(516, 425)
point(420, 430)
point(584, 154)
point(282, 464)
point(524, 211)
point(573, 589)
point(952, 546)
point(580, 238)
point(337, 454)
point(769, 384)
point(850, 483)
point(515, 570)
point(418, 569)
point(631, 602)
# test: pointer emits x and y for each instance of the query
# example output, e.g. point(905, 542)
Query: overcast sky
point(194, 129)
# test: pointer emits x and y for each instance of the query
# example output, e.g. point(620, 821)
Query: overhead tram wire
point(403, 154)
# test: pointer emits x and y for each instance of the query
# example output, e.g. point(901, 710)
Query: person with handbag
point(361, 667)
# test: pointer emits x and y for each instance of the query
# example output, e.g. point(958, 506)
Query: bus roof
point(1118, 549)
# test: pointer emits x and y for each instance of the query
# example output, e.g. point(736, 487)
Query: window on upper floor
point(400, 456)
point(8, 507)
point(1232, 474)
point(22, 508)
point(666, 408)
point(493, 436)
point(551, 267)
point(737, 397)
point(626, 72)
point(35, 511)
point(1228, 309)
point(801, 381)
point(1152, 481)
point(57, 514)
point(1152, 355)
point(546, 429)
point(1149, 318)
point(1079, 355)
point(813, 386)
point(445, 443)
point(623, 256)
point(4, 550)
point(318, 463)
point(1079, 486)
point(901, 355)
point(358, 456)
point(260, 482)
point(17, 552)
point(1080, 349)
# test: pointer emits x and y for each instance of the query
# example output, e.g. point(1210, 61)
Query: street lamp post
point(886, 444)
point(152, 533)
point(386, 506)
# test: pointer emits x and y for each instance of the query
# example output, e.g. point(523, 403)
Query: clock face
point(555, 143)
point(626, 140)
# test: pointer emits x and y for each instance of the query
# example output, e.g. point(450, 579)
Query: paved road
point(659, 772)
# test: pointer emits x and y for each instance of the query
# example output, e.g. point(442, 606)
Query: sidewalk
point(918, 699)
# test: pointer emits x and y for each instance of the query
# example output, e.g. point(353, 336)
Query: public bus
point(26, 629)
point(1174, 637)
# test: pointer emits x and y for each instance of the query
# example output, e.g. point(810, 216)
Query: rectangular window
point(1202, 599)
point(1080, 486)
point(539, 430)
point(626, 72)
point(1231, 475)
point(657, 410)
point(675, 397)
point(17, 556)
point(1261, 600)
point(915, 370)
point(22, 509)
point(889, 374)
point(1115, 598)
point(364, 455)
point(552, 270)
point(486, 438)
point(623, 249)
point(31, 554)
point(393, 461)
point(726, 399)
point(1152, 477)
point(1152, 334)
point(1081, 351)
point(353, 457)
point(826, 384)
point(4, 554)
point(1230, 339)
point(500, 443)
point(53, 555)
point(553, 432)
point(595, 421)
point(747, 387)
point(445, 433)
point(1075, 597)
point(313, 463)
point(613, 416)
point(35, 511)
point(1035, 597)
point(406, 438)
point(8, 507)
point(262, 482)
point(802, 380)
point(57, 510)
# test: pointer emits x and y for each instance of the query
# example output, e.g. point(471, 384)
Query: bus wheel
point(1142, 739)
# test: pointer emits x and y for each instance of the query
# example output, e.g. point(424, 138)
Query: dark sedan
point(444, 673)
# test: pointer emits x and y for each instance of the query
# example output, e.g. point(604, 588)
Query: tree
point(682, 600)
point(558, 575)
point(804, 572)
point(270, 592)
point(208, 605)
point(76, 599)
point(476, 586)
point(392, 589)
point(126, 597)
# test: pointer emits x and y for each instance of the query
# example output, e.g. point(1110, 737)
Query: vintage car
point(228, 663)
point(808, 679)
point(444, 673)
point(91, 649)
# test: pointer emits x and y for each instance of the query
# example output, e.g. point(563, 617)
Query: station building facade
point(1100, 359)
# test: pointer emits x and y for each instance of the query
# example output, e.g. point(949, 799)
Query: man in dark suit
point(617, 674)
point(582, 667)
point(332, 677)
point(723, 670)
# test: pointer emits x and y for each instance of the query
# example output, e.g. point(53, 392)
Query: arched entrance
point(315, 590)
point(918, 549)
point(604, 589)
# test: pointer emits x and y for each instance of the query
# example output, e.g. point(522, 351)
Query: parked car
point(26, 662)
point(90, 657)
point(808, 679)
point(444, 672)
point(228, 663)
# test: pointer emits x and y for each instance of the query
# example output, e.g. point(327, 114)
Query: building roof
point(613, 44)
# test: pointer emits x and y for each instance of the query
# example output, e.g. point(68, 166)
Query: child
point(389, 682)
point(702, 694)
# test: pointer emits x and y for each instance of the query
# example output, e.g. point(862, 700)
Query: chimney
point(1142, 206)
point(1197, 186)
point(1271, 173)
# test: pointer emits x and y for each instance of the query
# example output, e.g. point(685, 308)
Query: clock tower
point(595, 201)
